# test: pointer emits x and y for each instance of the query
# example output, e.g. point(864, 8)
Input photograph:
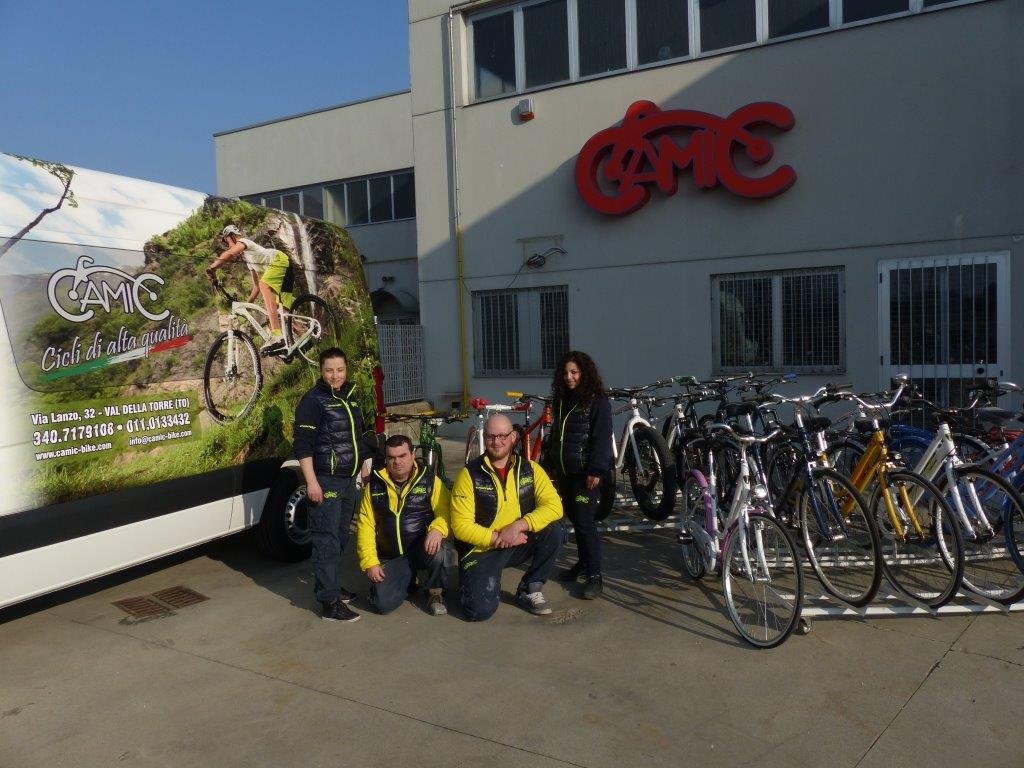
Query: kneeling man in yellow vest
point(504, 512)
point(402, 529)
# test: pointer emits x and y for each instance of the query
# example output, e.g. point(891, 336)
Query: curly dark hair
point(590, 385)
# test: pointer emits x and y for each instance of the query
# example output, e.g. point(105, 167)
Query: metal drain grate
point(143, 607)
point(179, 597)
point(161, 603)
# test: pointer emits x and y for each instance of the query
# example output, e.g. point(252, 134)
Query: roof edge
point(312, 112)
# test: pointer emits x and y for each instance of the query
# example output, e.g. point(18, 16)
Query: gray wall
point(904, 146)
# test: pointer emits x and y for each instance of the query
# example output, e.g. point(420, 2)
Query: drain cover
point(143, 607)
point(179, 597)
point(162, 603)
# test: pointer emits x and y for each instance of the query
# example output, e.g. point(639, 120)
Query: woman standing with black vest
point(579, 458)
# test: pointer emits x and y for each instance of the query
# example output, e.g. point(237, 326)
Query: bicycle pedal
point(684, 538)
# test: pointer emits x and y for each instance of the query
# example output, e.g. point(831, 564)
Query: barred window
point(791, 320)
point(520, 331)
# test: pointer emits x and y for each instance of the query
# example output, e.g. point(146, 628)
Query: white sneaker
point(534, 602)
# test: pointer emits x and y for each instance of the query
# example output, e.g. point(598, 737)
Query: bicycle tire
point(779, 470)
point(646, 479)
point(930, 570)
point(848, 565)
point(697, 503)
point(777, 576)
point(910, 449)
point(843, 455)
point(218, 377)
point(971, 449)
point(520, 447)
point(472, 446)
point(987, 571)
point(308, 305)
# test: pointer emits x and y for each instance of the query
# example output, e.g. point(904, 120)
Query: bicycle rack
point(818, 604)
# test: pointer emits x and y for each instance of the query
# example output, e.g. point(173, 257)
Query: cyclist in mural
point(271, 273)
point(334, 455)
point(579, 458)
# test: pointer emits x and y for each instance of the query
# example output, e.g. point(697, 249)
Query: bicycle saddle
point(733, 410)
point(867, 425)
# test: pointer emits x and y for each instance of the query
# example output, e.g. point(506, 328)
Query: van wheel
point(283, 530)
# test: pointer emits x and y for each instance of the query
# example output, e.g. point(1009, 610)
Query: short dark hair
point(332, 352)
point(396, 441)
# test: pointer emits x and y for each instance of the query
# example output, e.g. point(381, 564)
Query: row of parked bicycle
point(894, 486)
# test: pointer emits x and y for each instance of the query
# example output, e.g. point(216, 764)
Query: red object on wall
point(642, 151)
point(378, 396)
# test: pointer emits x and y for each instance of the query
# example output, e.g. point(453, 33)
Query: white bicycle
point(233, 375)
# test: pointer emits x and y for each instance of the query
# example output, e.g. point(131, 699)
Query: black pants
point(399, 572)
point(329, 523)
point(579, 506)
point(480, 572)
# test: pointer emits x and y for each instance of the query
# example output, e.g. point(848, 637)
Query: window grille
point(791, 320)
point(401, 358)
point(520, 331)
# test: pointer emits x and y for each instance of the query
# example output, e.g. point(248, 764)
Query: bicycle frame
point(627, 434)
point(244, 309)
point(874, 465)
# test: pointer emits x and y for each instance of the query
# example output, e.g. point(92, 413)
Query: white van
point(140, 417)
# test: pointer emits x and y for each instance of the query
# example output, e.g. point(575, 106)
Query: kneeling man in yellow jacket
point(402, 528)
point(504, 512)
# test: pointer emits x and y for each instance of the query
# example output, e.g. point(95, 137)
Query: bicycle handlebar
point(744, 437)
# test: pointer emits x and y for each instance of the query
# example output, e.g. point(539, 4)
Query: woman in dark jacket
point(579, 458)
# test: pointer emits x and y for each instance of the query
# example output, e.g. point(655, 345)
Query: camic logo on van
point(74, 292)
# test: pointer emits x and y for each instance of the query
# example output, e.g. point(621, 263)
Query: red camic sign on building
point(616, 168)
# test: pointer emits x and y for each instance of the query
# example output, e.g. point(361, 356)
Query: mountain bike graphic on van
point(233, 375)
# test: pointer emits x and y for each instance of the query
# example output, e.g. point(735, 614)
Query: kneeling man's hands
point(375, 574)
point(512, 535)
point(432, 543)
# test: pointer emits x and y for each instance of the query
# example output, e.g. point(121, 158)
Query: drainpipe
point(459, 261)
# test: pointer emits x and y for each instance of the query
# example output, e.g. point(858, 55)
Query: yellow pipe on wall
point(461, 286)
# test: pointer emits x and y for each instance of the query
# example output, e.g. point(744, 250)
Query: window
point(380, 199)
point(858, 10)
point(520, 331)
point(358, 203)
point(546, 39)
point(290, 203)
point(536, 43)
point(790, 17)
point(662, 30)
point(494, 55)
point(790, 320)
point(602, 36)
point(405, 196)
point(725, 23)
point(313, 202)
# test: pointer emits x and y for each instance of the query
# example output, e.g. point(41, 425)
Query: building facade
point(828, 187)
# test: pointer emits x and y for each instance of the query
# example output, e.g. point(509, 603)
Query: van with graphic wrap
point(141, 416)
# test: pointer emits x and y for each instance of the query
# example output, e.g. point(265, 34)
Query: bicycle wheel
point(990, 568)
point(843, 456)
point(521, 446)
point(762, 581)
point(727, 469)
point(653, 481)
point(970, 449)
point(472, 445)
point(232, 377)
point(311, 313)
point(697, 509)
point(910, 448)
point(779, 471)
point(927, 565)
point(840, 537)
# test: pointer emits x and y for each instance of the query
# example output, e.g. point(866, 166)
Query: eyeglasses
point(497, 438)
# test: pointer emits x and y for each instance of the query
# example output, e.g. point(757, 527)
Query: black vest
point(486, 485)
point(336, 446)
point(572, 443)
point(397, 532)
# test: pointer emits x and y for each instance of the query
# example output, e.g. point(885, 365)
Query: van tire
point(283, 530)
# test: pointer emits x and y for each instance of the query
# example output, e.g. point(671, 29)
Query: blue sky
point(139, 88)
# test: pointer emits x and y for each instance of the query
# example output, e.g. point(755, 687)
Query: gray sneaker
point(435, 603)
point(534, 602)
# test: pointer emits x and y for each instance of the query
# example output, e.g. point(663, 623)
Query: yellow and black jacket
point(392, 520)
point(481, 504)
